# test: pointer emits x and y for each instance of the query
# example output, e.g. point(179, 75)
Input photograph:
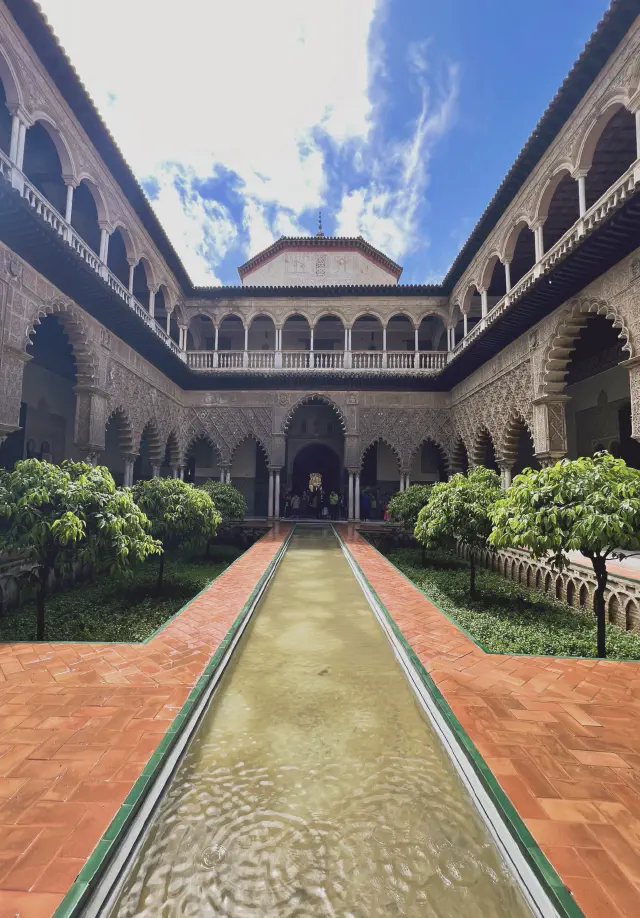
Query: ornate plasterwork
point(226, 428)
point(404, 429)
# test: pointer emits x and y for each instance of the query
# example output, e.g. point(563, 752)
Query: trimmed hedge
point(506, 617)
point(120, 608)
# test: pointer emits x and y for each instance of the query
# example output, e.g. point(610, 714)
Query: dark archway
point(316, 458)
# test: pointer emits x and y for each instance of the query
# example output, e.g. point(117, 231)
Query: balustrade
point(5, 166)
point(367, 360)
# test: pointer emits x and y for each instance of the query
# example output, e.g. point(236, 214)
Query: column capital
point(70, 180)
point(19, 112)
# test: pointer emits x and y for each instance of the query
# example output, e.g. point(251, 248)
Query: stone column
point(155, 471)
point(347, 349)
point(633, 366)
point(245, 356)
point(505, 475)
point(104, 243)
point(152, 301)
point(550, 426)
point(407, 476)
point(484, 304)
point(465, 323)
point(91, 418)
point(20, 121)
point(69, 205)
point(538, 239)
point(350, 512)
point(168, 321)
point(129, 462)
point(270, 501)
point(356, 496)
point(132, 268)
point(581, 176)
point(507, 274)
point(276, 495)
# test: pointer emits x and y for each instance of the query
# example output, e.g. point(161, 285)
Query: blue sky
point(399, 118)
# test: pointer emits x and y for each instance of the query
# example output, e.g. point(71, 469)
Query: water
point(315, 786)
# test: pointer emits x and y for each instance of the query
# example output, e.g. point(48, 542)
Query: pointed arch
point(250, 435)
point(120, 418)
point(314, 398)
point(204, 437)
point(382, 439)
point(459, 461)
point(563, 342)
point(75, 328)
point(443, 458)
point(508, 447)
point(483, 446)
point(155, 446)
point(172, 454)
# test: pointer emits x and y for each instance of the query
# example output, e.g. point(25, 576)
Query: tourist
point(295, 505)
point(333, 503)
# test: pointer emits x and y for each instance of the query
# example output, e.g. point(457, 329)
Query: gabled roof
point(603, 42)
point(320, 241)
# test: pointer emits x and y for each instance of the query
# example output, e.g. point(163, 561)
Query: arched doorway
point(47, 412)
point(321, 462)
point(599, 412)
point(315, 444)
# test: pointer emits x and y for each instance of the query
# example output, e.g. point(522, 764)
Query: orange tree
point(590, 505)
point(54, 516)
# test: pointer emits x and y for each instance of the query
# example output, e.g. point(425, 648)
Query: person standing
point(333, 505)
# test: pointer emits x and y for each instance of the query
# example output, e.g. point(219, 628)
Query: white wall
point(318, 267)
point(51, 406)
point(591, 419)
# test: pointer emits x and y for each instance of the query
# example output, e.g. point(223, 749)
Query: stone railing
point(49, 215)
point(575, 586)
point(428, 362)
point(611, 200)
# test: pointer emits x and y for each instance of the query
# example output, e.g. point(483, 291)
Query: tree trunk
point(40, 598)
point(600, 569)
point(160, 571)
point(472, 574)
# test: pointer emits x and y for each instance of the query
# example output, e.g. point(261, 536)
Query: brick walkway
point(78, 722)
point(560, 735)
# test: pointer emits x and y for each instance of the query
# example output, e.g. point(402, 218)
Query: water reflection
point(315, 786)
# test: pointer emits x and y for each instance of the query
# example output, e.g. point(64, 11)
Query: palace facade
point(320, 360)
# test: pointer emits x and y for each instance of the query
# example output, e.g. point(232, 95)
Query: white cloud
point(248, 85)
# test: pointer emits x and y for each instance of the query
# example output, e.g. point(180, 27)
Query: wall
point(316, 268)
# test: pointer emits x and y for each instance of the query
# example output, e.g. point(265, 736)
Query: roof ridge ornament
point(320, 233)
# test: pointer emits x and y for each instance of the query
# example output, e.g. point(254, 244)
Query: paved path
point(560, 735)
point(78, 722)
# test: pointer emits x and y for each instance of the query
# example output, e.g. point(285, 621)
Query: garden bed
point(120, 608)
point(507, 617)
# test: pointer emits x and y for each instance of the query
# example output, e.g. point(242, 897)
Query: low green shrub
point(120, 608)
point(506, 617)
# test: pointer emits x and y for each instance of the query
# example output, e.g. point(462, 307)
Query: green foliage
point(506, 617)
point(228, 501)
point(459, 510)
point(591, 505)
point(180, 514)
point(120, 608)
point(405, 506)
point(55, 516)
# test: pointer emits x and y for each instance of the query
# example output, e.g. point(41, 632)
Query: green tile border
point(546, 874)
point(86, 881)
point(492, 653)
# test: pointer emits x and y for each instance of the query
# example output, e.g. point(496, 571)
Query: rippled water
point(315, 786)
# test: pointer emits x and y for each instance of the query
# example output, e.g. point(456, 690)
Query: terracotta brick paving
point(560, 735)
point(78, 723)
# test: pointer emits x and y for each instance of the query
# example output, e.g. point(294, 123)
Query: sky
point(397, 118)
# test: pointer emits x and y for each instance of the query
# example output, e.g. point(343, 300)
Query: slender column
point(22, 136)
point(183, 337)
point(453, 337)
point(311, 341)
point(270, 503)
point(356, 496)
point(417, 343)
point(539, 241)
point(175, 472)
point(155, 471)
point(484, 302)
point(245, 356)
point(132, 268)
point(276, 496)
point(582, 188)
point(278, 354)
point(104, 245)
point(69, 206)
point(507, 275)
point(384, 338)
point(215, 340)
point(129, 462)
point(168, 321)
point(181, 473)
point(465, 321)
point(228, 480)
point(346, 339)
point(402, 481)
point(222, 473)
point(505, 475)
point(351, 474)
point(406, 480)
point(152, 302)
point(15, 136)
